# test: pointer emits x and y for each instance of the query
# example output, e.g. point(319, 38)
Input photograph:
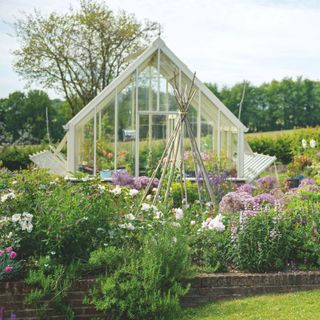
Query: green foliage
point(285, 145)
point(51, 282)
point(210, 250)
point(262, 243)
point(177, 193)
point(10, 266)
point(145, 283)
point(278, 105)
point(17, 157)
point(25, 121)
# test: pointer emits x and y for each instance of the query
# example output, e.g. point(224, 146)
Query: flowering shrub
point(264, 198)
point(236, 201)
point(267, 183)
point(261, 242)
point(9, 265)
point(246, 187)
point(122, 178)
point(141, 182)
point(57, 226)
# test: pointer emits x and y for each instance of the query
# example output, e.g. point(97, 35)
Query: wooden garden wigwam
point(172, 158)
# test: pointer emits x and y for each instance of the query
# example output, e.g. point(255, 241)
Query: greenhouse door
point(154, 130)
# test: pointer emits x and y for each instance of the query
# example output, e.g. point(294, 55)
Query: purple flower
point(246, 187)
point(307, 182)
point(264, 198)
point(267, 183)
point(122, 178)
point(236, 202)
point(142, 182)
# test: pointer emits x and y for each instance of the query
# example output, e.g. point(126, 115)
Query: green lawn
point(300, 306)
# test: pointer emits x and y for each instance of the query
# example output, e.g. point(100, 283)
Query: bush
point(285, 145)
point(145, 283)
point(17, 157)
point(261, 243)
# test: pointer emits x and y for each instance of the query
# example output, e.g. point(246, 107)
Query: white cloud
point(224, 41)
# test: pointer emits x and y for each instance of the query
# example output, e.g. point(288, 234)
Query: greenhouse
point(128, 124)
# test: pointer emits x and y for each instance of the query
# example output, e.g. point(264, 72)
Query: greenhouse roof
point(140, 60)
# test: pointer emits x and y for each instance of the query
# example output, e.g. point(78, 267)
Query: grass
point(274, 134)
point(291, 306)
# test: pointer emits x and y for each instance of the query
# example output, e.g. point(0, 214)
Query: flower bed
point(144, 255)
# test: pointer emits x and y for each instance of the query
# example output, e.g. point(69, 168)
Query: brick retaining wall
point(205, 288)
point(212, 287)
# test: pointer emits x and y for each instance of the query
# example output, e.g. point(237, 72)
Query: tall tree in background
point(80, 52)
point(277, 105)
point(24, 118)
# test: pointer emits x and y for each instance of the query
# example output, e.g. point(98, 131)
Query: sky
point(224, 41)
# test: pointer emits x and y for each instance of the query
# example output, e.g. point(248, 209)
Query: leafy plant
point(146, 283)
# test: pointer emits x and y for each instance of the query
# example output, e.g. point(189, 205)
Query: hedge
point(17, 157)
point(285, 145)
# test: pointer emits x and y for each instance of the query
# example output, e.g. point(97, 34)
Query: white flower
point(208, 204)
point(27, 216)
point(148, 197)
point(313, 143)
point(174, 240)
point(130, 226)
point(158, 214)
point(53, 253)
point(14, 182)
point(176, 224)
point(178, 213)
point(192, 222)
point(29, 227)
point(133, 192)
point(101, 187)
point(116, 191)
point(130, 216)
point(304, 143)
point(145, 207)
point(7, 196)
point(154, 190)
point(16, 217)
point(216, 223)
point(204, 224)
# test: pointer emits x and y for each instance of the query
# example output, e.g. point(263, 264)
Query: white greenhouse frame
point(227, 131)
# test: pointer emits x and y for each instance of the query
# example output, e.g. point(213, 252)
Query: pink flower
point(13, 255)
point(9, 249)
point(1, 252)
point(8, 269)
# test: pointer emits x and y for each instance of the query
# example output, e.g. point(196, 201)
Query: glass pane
point(105, 137)
point(153, 133)
point(126, 128)
point(84, 145)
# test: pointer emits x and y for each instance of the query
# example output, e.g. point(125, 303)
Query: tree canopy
point(24, 118)
point(80, 52)
point(278, 105)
